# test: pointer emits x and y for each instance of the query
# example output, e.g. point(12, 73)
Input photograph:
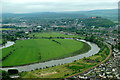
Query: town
point(98, 27)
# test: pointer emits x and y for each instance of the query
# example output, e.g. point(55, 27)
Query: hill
point(45, 15)
point(111, 14)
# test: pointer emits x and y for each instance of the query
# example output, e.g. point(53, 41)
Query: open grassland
point(0, 41)
point(5, 29)
point(0, 37)
point(39, 50)
point(68, 69)
point(53, 34)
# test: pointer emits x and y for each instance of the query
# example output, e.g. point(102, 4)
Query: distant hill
point(111, 14)
point(46, 15)
point(98, 22)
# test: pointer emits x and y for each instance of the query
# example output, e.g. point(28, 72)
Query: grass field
point(38, 50)
point(0, 37)
point(53, 34)
point(0, 41)
point(6, 29)
point(68, 69)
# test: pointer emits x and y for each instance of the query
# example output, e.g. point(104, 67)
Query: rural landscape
point(58, 45)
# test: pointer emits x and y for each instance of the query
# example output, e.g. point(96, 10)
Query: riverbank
point(8, 44)
point(63, 71)
point(94, 49)
point(109, 46)
point(33, 51)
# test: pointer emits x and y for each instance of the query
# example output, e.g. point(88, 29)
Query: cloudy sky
point(28, 6)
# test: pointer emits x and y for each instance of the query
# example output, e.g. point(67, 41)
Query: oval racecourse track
point(94, 50)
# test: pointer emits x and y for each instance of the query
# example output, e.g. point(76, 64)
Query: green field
point(0, 38)
point(0, 41)
point(53, 34)
point(6, 29)
point(39, 50)
point(65, 70)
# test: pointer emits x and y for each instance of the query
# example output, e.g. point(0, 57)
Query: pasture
point(54, 34)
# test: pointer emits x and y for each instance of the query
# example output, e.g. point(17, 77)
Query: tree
point(5, 75)
point(13, 71)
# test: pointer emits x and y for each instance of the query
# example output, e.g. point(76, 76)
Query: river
point(8, 44)
point(94, 49)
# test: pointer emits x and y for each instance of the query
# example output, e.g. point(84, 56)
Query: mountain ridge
point(111, 14)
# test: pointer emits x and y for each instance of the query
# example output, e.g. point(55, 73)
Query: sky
point(30, 6)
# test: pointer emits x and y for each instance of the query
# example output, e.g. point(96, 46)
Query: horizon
point(59, 12)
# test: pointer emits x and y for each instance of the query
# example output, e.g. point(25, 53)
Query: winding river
point(8, 44)
point(94, 49)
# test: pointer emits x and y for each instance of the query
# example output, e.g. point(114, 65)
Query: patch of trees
point(60, 37)
point(5, 76)
point(8, 27)
point(69, 29)
point(104, 50)
point(98, 22)
point(56, 42)
point(95, 40)
point(13, 71)
point(9, 37)
point(13, 36)
point(39, 56)
point(117, 46)
point(4, 41)
point(3, 58)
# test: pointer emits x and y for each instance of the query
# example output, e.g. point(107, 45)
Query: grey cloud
point(56, 6)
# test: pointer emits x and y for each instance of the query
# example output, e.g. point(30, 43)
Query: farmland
point(40, 50)
point(53, 34)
